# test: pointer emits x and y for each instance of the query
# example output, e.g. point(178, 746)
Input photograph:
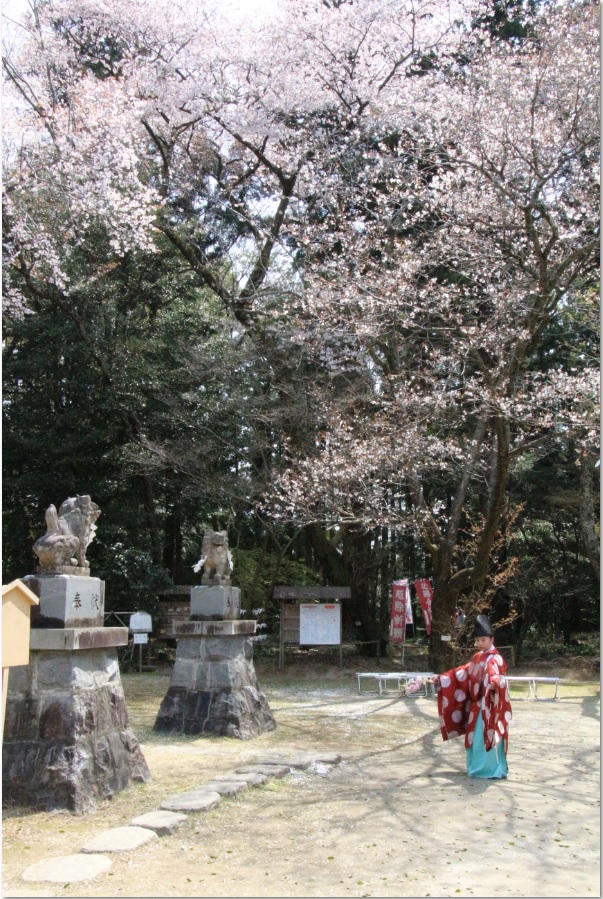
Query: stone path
point(91, 863)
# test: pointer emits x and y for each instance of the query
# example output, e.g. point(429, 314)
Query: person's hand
point(435, 679)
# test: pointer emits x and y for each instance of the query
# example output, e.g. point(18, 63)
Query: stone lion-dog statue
point(215, 560)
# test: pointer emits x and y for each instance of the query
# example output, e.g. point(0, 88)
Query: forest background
point(324, 276)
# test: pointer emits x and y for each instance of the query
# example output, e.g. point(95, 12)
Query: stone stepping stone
point(293, 761)
point(229, 787)
point(163, 823)
point(251, 778)
point(67, 869)
point(326, 758)
point(120, 839)
point(302, 760)
point(271, 770)
point(193, 801)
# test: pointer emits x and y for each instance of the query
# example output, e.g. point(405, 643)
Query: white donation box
point(141, 625)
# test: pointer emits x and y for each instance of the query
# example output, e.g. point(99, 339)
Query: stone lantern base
point(214, 688)
point(67, 741)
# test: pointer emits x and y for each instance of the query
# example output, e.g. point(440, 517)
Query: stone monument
point(214, 688)
point(67, 740)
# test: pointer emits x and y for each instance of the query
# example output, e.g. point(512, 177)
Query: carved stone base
point(67, 740)
point(214, 690)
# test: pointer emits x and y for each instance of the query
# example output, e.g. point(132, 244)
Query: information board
point(319, 624)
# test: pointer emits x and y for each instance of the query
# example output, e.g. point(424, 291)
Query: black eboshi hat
point(483, 628)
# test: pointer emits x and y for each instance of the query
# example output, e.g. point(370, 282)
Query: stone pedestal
point(67, 601)
point(215, 603)
point(214, 688)
point(67, 740)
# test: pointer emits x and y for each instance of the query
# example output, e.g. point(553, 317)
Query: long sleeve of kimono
point(496, 708)
point(453, 698)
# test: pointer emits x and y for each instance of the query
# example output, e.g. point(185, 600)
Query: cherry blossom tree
point(471, 234)
point(391, 205)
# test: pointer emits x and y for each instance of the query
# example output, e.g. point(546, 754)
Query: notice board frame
point(291, 598)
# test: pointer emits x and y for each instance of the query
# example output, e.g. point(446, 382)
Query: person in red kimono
point(474, 700)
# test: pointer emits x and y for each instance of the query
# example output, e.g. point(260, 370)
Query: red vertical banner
point(401, 614)
point(425, 593)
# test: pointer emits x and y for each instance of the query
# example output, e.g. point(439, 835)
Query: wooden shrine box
point(17, 600)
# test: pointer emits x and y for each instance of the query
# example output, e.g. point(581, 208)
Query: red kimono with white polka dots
point(464, 698)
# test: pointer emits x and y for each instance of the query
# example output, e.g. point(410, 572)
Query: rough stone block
point(75, 670)
point(214, 688)
point(170, 717)
point(220, 676)
point(21, 721)
point(60, 718)
point(196, 711)
point(136, 764)
point(56, 670)
point(66, 746)
point(220, 648)
point(118, 709)
point(201, 678)
point(190, 648)
point(184, 673)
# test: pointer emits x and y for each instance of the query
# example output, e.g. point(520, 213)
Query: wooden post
point(281, 639)
point(17, 600)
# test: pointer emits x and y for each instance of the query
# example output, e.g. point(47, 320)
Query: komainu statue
point(80, 514)
point(216, 559)
point(56, 548)
point(68, 534)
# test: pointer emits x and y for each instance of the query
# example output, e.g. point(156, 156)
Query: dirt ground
point(398, 816)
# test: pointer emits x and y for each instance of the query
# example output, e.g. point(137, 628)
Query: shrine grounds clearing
point(397, 817)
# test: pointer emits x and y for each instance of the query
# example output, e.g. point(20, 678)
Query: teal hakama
point(492, 764)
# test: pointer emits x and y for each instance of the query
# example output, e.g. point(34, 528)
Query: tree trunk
point(362, 566)
point(172, 544)
point(151, 517)
point(587, 515)
point(259, 565)
point(444, 603)
point(353, 567)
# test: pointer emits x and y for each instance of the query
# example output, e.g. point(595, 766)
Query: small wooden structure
point(174, 609)
point(17, 600)
point(322, 629)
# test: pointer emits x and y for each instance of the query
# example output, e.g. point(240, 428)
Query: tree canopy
point(329, 272)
